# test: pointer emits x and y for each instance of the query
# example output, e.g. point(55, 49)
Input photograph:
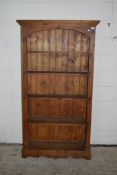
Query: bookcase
point(57, 81)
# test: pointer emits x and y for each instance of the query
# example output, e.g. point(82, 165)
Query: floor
point(104, 162)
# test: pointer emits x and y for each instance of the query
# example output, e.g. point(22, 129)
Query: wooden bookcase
point(57, 82)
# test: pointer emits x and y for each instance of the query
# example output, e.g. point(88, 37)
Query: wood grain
point(57, 108)
point(56, 145)
point(57, 82)
point(56, 132)
point(59, 50)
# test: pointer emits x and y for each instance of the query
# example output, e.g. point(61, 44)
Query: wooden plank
point(65, 41)
point(64, 83)
point(58, 41)
point(84, 54)
point(45, 46)
point(31, 83)
point(53, 108)
point(71, 50)
point(86, 153)
point(78, 23)
point(77, 41)
point(46, 40)
point(62, 120)
point(58, 61)
point(90, 88)
point(52, 40)
point(42, 62)
point(52, 56)
point(69, 84)
point(83, 85)
point(24, 90)
point(52, 65)
point(76, 89)
point(71, 40)
point(56, 132)
point(56, 145)
point(77, 62)
point(28, 44)
point(84, 62)
point(57, 72)
point(79, 108)
point(56, 96)
point(45, 61)
point(33, 60)
point(85, 44)
point(55, 52)
point(43, 84)
point(71, 60)
point(58, 86)
point(67, 109)
point(29, 68)
point(40, 40)
point(40, 47)
point(39, 62)
point(33, 42)
point(52, 80)
point(64, 62)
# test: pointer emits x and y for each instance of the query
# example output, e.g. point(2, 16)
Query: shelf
point(68, 120)
point(57, 145)
point(56, 96)
point(62, 52)
point(58, 72)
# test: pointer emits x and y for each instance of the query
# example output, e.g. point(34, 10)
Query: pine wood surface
point(57, 82)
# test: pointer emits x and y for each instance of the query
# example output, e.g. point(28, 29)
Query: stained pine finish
point(56, 132)
point(57, 79)
point(57, 108)
point(47, 83)
point(57, 50)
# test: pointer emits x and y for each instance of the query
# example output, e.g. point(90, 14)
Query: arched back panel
point(57, 79)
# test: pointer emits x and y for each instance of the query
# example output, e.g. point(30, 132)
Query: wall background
point(104, 115)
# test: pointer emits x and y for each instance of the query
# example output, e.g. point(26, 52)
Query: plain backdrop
point(104, 114)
